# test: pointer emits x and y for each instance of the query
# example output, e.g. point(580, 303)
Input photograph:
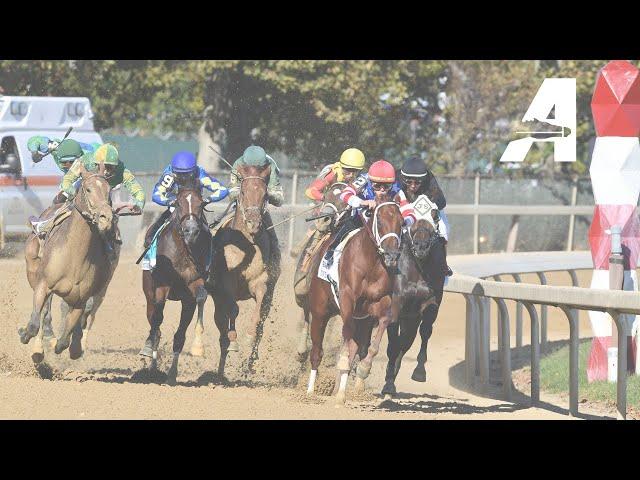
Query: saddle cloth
point(149, 260)
point(331, 274)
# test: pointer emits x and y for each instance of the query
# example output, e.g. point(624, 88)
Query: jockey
point(379, 181)
point(345, 170)
point(257, 157)
point(416, 179)
point(183, 171)
point(115, 173)
point(64, 152)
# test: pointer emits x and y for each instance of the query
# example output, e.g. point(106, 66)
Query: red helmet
point(382, 172)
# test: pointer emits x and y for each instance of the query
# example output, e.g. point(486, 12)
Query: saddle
point(41, 228)
point(149, 259)
point(330, 273)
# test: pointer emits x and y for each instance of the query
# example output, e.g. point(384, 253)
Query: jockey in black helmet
point(416, 179)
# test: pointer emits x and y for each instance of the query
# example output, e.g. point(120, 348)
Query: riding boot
point(315, 238)
point(348, 226)
point(155, 226)
point(276, 256)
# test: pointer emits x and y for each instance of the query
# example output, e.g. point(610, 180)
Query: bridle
point(91, 215)
point(433, 237)
point(376, 233)
point(244, 209)
point(202, 226)
point(337, 214)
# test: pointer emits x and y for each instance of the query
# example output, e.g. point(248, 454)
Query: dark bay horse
point(183, 254)
point(416, 299)
point(308, 263)
point(243, 265)
point(366, 273)
point(73, 265)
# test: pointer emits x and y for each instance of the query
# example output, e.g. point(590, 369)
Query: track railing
point(478, 293)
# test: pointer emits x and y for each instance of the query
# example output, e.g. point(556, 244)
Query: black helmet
point(414, 168)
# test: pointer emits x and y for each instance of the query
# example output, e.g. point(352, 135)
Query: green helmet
point(68, 150)
point(255, 156)
point(107, 154)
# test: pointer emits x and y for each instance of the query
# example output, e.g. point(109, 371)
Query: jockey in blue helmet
point(183, 171)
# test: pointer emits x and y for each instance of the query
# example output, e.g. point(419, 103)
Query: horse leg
point(160, 299)
point(48, 333)
point(37, 351)
point(429, 315)
point(188, 307)
point(382, 311)
point(318, 328)
point(349, 345)
point(148, 290)
point(303, 342)
point(401, 336)
point(40, 296)
point(75, 348)
point(197, 346)
point(86, 321)
point(70, 323)
point(221, 318)
point(255, 329)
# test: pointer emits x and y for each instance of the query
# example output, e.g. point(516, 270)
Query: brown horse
point(366, 277)
point(73, 265)
point(183, 254)
point(308, 263)
point(243, 265)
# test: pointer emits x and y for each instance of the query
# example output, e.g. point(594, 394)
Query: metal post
point(572, 218)
point(535, 354)
point(470, 343)
point(574, 345)
point(543, 313)
point(505, 350)
point(517, 278)
point(574, 278)
point(294, 194)
point(624, 328)
point(484, 343)
point(476, 229)
point(499, 330)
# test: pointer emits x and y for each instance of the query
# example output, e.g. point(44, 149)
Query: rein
point(202, 224)
point(374, 233)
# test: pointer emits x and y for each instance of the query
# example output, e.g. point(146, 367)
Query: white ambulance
point(27, 188)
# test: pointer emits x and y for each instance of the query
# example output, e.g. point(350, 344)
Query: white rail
point(478, 292)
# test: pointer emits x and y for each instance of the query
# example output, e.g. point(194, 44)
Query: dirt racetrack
point(111, 381)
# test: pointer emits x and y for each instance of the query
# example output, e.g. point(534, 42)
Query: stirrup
point(38, 226)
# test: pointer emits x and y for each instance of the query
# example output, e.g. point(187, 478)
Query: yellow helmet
point(352, 158)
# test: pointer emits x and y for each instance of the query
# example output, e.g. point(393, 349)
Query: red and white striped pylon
point(615, 177)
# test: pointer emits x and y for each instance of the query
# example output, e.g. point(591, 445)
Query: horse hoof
point(75, 354)
point(419, 375)
point(172, 378)
point(387, 397)
point(37, 357)
point(233, 346)
point(59, 348)
point(389, 390)
point(53, 341)
point(146, 351)
point(32, 329)
point(24, 336)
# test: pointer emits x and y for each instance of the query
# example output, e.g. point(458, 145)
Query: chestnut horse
point(243, 265)
point(416, 299)
point(306, 268)
point(183, 254)
point(73, 265)
point(366, 272)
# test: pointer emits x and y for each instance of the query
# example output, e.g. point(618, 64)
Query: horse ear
point(83, 170)
point(267, 171)
point(101, 168)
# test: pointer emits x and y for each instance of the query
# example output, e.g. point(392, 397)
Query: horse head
point(331, 206)
point(422, 236)
point(386, 225)
point(94, 199)
point(188, 213)
point(252, 199)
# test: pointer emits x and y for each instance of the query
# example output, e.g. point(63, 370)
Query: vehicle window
point(9, 151)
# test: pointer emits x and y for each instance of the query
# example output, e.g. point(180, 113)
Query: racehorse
point(243, 265)
point(416, 298)
point(366, 275)
point(183, 255)
point(73, 265)
point(333, 209)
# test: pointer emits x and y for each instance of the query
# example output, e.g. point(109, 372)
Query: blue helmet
point(183, 162)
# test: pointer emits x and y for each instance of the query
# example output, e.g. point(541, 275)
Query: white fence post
point(294, 194)
point(476, 226)
point(572, 218)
